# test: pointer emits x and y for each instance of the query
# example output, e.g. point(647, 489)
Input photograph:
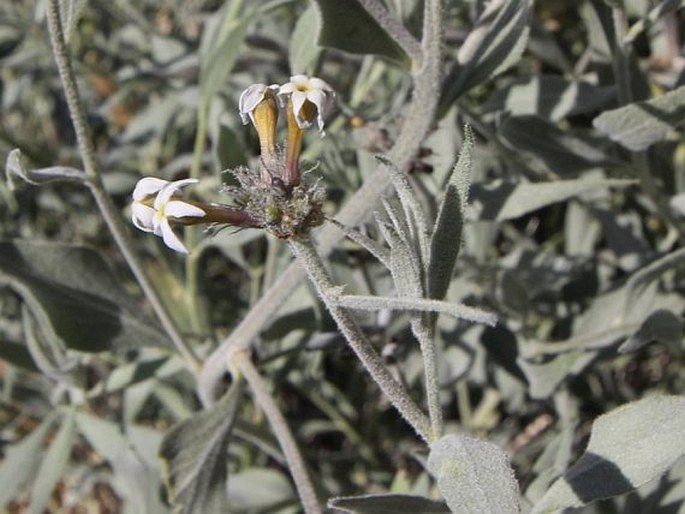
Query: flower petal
point(317, 83)
point(142, 216)
point(299, 98)
point(299, 79)
point(249, 100)
point(147, 186)
point(318, 98)
point(178, 209)
point(171, 239)
point(168, 191)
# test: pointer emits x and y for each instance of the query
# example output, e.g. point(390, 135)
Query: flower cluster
point(276, 198)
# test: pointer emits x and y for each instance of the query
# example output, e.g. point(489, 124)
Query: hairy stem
point(424, 330)
point(307, 255)
point(404, 39)
point(280, 428)
point(420, 117)
point(108, 210)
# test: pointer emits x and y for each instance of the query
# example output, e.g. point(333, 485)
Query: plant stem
point(424, 330)
point(420, 116)
point(393, 26)
point(304, 250)
point(280, 428)
point(108, 210)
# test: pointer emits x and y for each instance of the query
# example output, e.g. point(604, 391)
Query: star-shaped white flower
point(252, 97)
point(155, 219)
point(303, 89)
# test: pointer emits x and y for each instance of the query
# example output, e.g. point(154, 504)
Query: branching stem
point(280, 428)
point(109, 211)
point(307, 255)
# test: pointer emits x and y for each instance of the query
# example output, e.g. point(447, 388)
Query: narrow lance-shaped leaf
point(474, 476)
point(385, 503)
point(639, 125)
point(21, 460)
point(500, 201)
point(628, 447)
point(195, 456)
point(53, 464)
point(221, 44)
point(445, 241)
point(495, 44)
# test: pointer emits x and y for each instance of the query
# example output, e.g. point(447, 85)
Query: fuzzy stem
point(108, 210)
point(304, 250)
point(420, 116)
point(424, 330)
point(280, 428)
point(404, 39)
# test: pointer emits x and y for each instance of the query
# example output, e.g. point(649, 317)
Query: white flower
point(252, 97)
point(303, 89)
point(141, 213)
point(155, 219)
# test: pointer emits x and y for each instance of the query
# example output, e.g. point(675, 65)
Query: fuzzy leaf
point(494, 45)
point(445, 241)
point(258, 490)
point(348, 27)
point(74, 298)
point(133, 479)
point(53, 464)
point(639, 125)
point(21, 460)
point(628, 447)
point(549, 96)
point(661, 325)
point(303, 48)
point(501, 201)
point(547, 145)
point(195, 456)
point(221, 44)
point(385, 503)
point(474, 476)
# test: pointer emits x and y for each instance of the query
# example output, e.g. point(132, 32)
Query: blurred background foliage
point(585, 276)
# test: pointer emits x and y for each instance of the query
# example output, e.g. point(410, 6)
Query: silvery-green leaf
point(73, 296)
point(195, 456)
point(494, 45)
point(499, 201)
point(661, 325)
point(445, 241)
point(639, 125)
point(53, 464)
point(21, 460)
point(549, 96)
point(544, 378)
point(132, 478)
point(348, 27)
point(404, 267)
point(474, 476)
point(258, 490)
point(303, 48)
point(221, 44)
point(628, 447)
point(387, 503)
point(557, 151)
